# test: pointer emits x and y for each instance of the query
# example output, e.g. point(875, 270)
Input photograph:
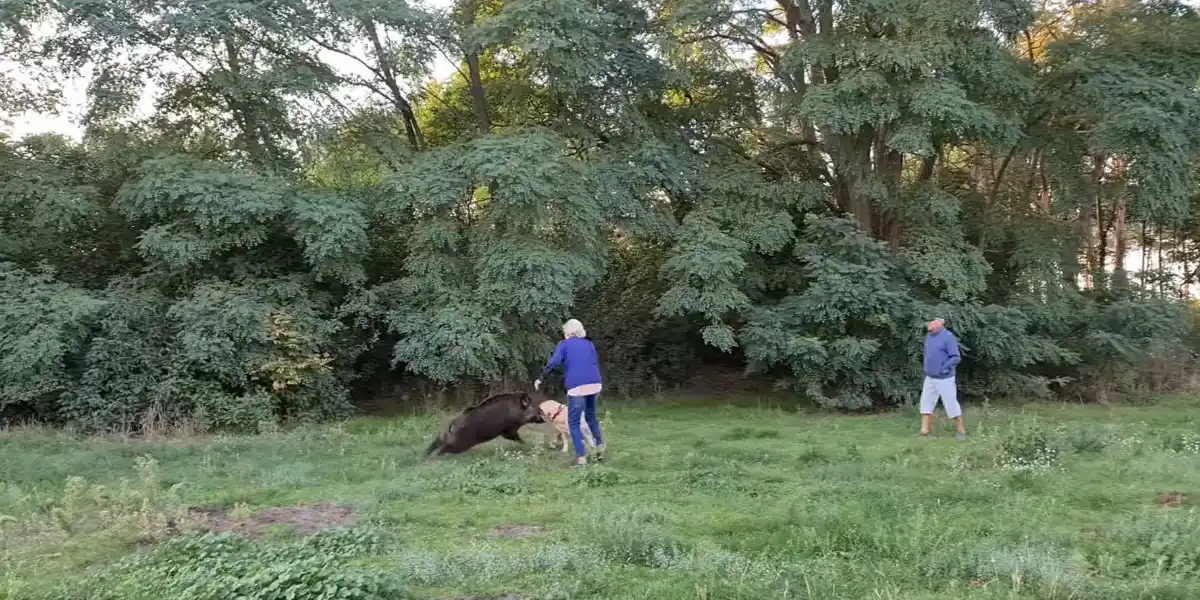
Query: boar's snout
point(533, 414)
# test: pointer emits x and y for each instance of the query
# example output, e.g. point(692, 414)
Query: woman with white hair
point(577, 356)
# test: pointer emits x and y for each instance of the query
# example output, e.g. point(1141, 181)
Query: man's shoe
point(960, 436)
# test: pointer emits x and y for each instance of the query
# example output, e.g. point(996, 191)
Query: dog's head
point(550, 409)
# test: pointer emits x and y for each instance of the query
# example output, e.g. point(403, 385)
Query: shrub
point(1181, 442)
point(1162, 546)
point(136, 507)
point(597, 478)
point(228, 357)
point(484, 563)
point(43, 323)
point(633, 538)
point(1028, 449)
point(1085, 440)
point(227, 567)
point(487, 478)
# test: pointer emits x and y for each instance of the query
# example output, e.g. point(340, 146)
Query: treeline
point(785, 186)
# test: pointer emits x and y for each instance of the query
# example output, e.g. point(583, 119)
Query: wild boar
point(501, 415)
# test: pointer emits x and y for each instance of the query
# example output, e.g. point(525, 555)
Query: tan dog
point(556, 414)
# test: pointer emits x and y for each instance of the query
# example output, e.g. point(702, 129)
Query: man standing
point(941, 359)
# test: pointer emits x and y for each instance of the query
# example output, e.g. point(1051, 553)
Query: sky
point(66, 120)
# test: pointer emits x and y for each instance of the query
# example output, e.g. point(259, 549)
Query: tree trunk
point(411, 129)
point(1144, 256)
point(1087, 220)
point(1044, 196)
point(478, 100)
point(1185, 291)
point(1119, 214)
point(1104, 224)
point(1159, 243)
point(1119, 234)
point(861, 202)
point(483, 117)
point(798, 22)
point(243, 110)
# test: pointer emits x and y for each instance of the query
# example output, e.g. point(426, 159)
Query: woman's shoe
point(579, 462)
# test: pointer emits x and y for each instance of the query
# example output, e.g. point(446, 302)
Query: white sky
point(66, 120)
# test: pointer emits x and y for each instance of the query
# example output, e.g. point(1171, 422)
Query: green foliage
point(230, 357)
point(53, 209)
point(138, 507)
point(499, 243)
point(832, 332)
point(127, 364)
point(227, 566)
point(594, 57)
point(1153, 546)
point(1109, 345)
point(936, 253)
point(637, 344)
point(1132, 79)
point(43, 324)
point(1030, 449)
point(705, 264)
point(635, 538)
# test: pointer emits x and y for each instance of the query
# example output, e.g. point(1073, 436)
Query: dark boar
point(494, 416)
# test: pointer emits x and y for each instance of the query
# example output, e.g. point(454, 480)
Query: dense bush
point(265, 241)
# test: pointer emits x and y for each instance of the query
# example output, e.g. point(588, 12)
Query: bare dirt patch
point(304, 519)
point(517, 531)
point(1172, 499)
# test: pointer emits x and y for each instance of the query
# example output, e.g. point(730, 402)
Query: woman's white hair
point(573, 328)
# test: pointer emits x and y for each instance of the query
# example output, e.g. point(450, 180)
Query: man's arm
point(952, 357)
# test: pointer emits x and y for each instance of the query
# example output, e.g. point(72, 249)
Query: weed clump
point(487, 478)
point(1030, 450)
point(1085, 440)
point(635, 538)
point(226, 566)
point(1181, 442)
point(1165, 546)
point(136, 507)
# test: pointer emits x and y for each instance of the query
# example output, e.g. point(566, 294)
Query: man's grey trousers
point(942, 389)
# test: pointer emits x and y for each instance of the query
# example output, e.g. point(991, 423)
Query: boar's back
point(518, 399)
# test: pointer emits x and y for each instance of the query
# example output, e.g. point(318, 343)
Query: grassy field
point(703, 502)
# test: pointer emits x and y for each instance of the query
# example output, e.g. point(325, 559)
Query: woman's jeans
point(586, 404)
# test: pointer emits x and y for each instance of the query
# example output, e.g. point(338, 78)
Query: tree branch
point(330, 47)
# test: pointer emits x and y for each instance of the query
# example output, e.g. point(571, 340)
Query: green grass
point(704, 502)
